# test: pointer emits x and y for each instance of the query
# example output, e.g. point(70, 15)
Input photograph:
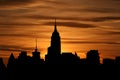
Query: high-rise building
point(55, 41)
point(54, 51)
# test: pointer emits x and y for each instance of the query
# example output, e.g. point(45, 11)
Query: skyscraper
point(55, 41)
point(54, 51)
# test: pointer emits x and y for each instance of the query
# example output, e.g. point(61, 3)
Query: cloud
point(101, 10)
point(71, 38)
point(40, 17)
point(43, 17)
point(15, 3)
point(13, 35)
point(71, 24)
point(89, 42)
point(18, 24)
point(22, 35)
point(13, 48)
point(92, 9)
point(111, 33)
point(91, 19)
point(102, 19)
point(16, 48)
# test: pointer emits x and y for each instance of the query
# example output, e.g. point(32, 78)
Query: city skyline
point(67, 63)
point(83, 25)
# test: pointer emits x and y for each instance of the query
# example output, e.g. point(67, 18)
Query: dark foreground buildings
point(58, 65)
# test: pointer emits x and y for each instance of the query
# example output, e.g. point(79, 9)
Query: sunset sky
point(83, 25)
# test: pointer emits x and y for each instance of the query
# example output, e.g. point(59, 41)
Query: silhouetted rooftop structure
point(117, 60)
point(3, 70)
point(93, 57)
point(108, 61)
point(69, 58)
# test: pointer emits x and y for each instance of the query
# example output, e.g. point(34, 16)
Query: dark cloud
point(89, 42)
point(17, 21)
point(42, 17)
point(17, 24)
point(54, 2)
point(92, 9)
point(71, 24)
point(113, 32)
point(92, 19)
point(70, 38)
point(14, 2)
point(102, 19)
point(7, 3)
point(110, 33)
point(101, 10)
point(13, 48)
point(17, 35)
point(27, 35)
point(16, 48)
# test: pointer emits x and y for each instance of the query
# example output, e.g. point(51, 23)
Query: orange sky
point(83, 25)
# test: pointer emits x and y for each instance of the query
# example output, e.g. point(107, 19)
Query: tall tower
point(36, 53)
point(55, 40)
point(54, 51)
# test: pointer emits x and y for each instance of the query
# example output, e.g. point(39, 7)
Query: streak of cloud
point(71, 24)
point(90, 42)
point(24, 35)
point(102, 19)
point(13, 48)
point(26, 3)
point(91, 19)
point(16, 48)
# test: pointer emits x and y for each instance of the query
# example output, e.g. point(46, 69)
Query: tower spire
point(36, 45)
point(55, 28)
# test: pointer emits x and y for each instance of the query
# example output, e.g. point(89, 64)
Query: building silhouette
point(36, 55)
point(93, 57)
point(68, 58)
point(3, 70)
point(54, 51)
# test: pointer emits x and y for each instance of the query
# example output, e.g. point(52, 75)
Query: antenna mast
point(36, 45)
